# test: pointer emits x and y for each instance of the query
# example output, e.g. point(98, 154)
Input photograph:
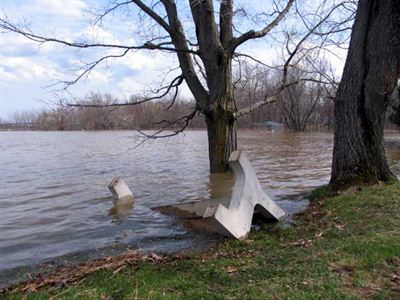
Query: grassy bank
point(346, 247)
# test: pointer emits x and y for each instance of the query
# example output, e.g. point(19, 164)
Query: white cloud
point(7, 76)
point(337, 57)
point(99, 76)
point(70, 8)
point(64, 8)
point(22, 68)
point(266, 55)
point(17, 45)
point(130, 85)
point(149, 70)
point(138, 61)
point(97, 34)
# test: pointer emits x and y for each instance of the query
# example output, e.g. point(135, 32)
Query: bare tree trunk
point(216, 54)
point(221, 123)
point(222, 138)
point(370, 75)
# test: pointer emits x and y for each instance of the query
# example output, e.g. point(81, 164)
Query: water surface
point(54, 199)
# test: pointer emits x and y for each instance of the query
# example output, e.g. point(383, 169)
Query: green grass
point(345, 247)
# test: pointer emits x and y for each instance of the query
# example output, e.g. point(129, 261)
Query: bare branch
point(288, 63)
point(263, 32)
point(89, 69)
point(185, 61)
point(4, 24)
point(175, 83)
point(254, 59)
point(269, 99)
point(185, 121)
point(109, 10)
point(151, 13)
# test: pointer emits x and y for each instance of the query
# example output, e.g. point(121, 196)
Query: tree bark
point(220, 119)
point(215, 53)
point(222, 138)
point(370, 75)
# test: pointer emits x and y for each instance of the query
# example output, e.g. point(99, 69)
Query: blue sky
point(27, 69)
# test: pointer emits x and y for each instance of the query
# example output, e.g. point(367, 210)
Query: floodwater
point(54, 199)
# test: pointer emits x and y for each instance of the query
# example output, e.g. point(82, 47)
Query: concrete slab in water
point(234, 217)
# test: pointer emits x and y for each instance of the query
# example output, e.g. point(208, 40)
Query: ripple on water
point(56, 201)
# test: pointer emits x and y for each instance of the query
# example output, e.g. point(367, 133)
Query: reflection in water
point(221, 186)
point(121, 210)
point(57, 202)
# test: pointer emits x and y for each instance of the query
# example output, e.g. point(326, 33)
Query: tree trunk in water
point(222, 137)
point(370, 75)
point(221, 123)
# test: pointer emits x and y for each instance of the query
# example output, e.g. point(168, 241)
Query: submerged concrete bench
point(233, 218)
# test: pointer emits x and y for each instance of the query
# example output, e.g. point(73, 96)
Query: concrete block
point(120, 190)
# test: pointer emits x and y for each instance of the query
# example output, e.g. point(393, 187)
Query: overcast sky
point(27, 69)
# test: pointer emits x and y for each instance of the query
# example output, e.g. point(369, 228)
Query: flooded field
point(54, 199)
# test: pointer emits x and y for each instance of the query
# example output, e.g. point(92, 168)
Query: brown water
point(54, 199)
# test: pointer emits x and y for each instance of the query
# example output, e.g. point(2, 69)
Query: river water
point(54, 199)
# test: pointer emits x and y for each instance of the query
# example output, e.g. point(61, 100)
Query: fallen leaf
point(231, 269)
point(340, 227)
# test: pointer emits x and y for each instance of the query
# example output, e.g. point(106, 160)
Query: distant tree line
point(142, 117)
point(304, 106)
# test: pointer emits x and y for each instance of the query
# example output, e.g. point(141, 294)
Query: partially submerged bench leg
point(247, 194)
point(120, 190)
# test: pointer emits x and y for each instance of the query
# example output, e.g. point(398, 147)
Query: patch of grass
point(345, 247)
point(320, 193)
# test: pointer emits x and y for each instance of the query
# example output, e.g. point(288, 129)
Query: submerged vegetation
point(343, 247)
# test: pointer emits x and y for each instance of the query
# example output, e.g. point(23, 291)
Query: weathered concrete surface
point(121, 192)
point(234, 217)
point(247, 195)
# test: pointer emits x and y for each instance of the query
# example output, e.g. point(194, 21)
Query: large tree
point(205, 54)
point(370, 75)
point(211, 51)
